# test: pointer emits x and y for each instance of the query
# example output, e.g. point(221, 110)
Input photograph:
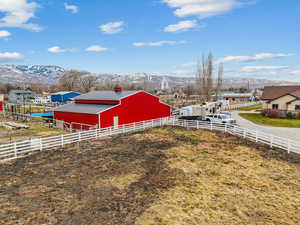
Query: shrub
point(289, 115)
point(272, 113)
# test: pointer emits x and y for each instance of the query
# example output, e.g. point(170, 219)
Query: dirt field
point(163, 176)
point(35, 130)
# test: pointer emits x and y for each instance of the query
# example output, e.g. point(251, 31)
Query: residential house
point(19, 96)
point(283, 98)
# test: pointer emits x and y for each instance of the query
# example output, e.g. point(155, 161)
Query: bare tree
point(70, 81)
point(204, 77)
point(88, 82)
point(219, 81)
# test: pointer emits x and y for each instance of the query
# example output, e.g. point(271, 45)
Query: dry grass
point(163, 176)
point(36, 130)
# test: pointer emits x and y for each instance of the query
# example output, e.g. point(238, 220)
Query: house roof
point(64, 92)
point(274, 92)
point(105, 95)
point(83, 108)
point(296, 93)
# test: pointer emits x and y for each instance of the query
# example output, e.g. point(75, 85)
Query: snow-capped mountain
point(20, 74)
point(25, 75)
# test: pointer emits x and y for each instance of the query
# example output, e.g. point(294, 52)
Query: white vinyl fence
point(257, 136)
point(23, 148)
point(239, 106)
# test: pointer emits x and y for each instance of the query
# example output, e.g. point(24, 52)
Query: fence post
point(211, 125)
point(41, 144)
point(256, 136)
point(96, 132)
point(198, 124)
point(244, 135)
point(289, 146)
point(271, 141)
point(79, 136)
point(225, 127)
point(62, 140)
point(15, 149)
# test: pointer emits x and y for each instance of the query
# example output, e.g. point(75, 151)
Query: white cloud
point(71, 8)
point(112, 27)
point(4, 34)
point(183, 72)
point(158, 43)
point(250, 69)
point(17, 13)
point(202, 8)
point(257, 57)
point(182, 26)
point(56, 49)
point(189, 64)
point(296, 72)
point(96, 48)
point(10, 56)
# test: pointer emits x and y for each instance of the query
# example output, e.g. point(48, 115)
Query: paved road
point(292, 133)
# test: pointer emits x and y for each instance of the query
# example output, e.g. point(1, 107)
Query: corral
point(160, 176)
point(36, 130)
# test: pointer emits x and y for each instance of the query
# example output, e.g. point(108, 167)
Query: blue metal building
point(63, 96)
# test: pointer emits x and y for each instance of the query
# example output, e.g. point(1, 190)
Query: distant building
point(63, 96)
point(283, 98)
point(42, 100)
point(18, 96)
point(239, 97)
point(164, 84)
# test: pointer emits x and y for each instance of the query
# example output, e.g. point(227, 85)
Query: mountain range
point(48, 75)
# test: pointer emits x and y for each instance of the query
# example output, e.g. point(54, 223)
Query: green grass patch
point(262, 120)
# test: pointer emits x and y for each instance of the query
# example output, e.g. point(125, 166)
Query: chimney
point(117, 88)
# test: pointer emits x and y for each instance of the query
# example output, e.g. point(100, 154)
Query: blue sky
point(253, 38)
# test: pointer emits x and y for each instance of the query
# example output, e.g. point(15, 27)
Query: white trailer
point(200, 111)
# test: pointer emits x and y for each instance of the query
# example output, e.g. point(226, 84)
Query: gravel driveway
point(292, 133)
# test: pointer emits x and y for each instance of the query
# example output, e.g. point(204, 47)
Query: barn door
point(116, 121)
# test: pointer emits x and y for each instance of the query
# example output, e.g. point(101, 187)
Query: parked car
point(226, 113)
point(220, 118)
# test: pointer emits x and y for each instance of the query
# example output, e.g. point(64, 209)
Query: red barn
point(1, 103)
point(112, 108)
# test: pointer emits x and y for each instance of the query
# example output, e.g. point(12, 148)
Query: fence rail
point(23, 148)
point(239, 106)
point(20, 149)
point(254, 135)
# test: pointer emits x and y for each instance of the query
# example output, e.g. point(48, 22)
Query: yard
point(263, 120)
point(166, 176)
point(36, 130)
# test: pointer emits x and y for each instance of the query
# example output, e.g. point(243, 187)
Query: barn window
point(297, 107)
point(275, 106)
